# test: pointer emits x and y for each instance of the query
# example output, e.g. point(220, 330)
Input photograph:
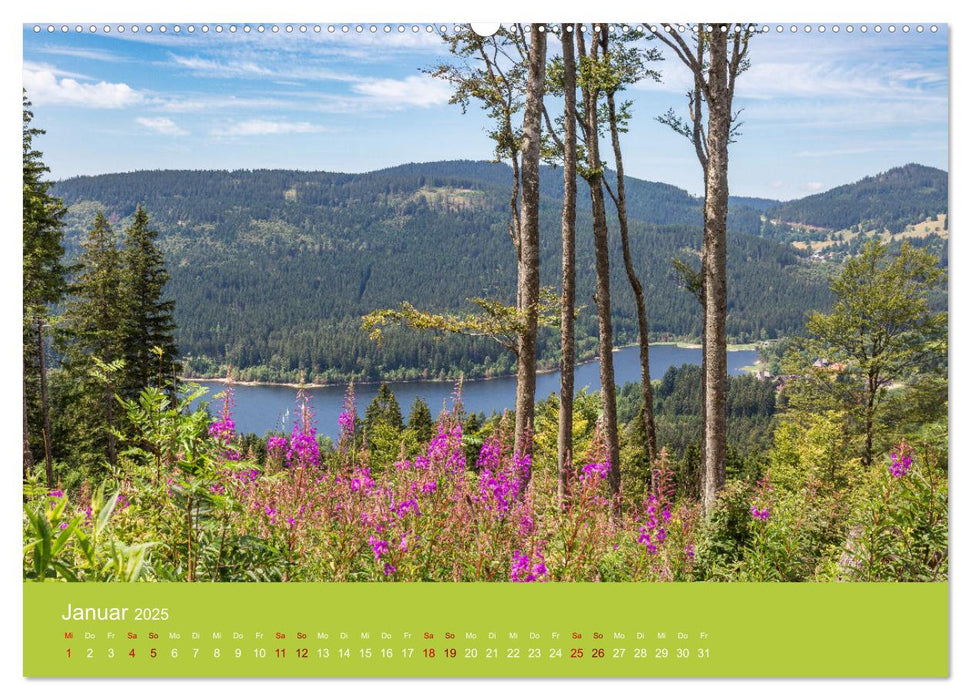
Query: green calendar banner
point(454, 630)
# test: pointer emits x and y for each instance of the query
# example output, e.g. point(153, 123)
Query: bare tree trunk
point(620, 200)
point(44, 406)
point(529, 242)
point(568, 298)
point(871, 395)
point(28, 455)
point(605, 326)
point(716, 211)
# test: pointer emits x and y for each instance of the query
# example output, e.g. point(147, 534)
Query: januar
point(74, 613)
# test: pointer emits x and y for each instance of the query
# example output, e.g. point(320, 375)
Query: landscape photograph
point(518, 303)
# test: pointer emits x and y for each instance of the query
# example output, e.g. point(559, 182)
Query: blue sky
point(819, 109)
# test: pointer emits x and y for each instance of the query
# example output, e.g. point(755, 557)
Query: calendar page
point(485, 350)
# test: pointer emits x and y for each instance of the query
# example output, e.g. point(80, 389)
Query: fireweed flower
point(389, 569)
point(223, 430)
point(446, 448)
point(652, 532)
point(522, 571)
point(761, 507)
point(900, 460)
point(403, 508)
point(379, 547)
point(597, 470)
point(276, 446)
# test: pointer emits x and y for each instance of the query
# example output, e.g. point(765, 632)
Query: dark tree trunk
point(44, 405)
point(568, 298)
point(643, 338)
point(716, 210)
point(871, 396)
point(28, 455)
point(529, 242)
point(594, 178)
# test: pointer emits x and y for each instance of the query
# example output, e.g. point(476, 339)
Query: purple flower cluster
point(500, 486)
point(403, 508)
point(446, 447)
point(522, 571)
point(653, 531)
point(246, 476)
point(760, 513)
point(304, 450)
point(900, 463)
point(379, 547)
point(761, 508)
point(224, 429)
point(276, 446)
point(362, 480)
point(597, 470)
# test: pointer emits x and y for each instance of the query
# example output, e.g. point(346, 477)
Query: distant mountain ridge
point(891, 200)
point(272, 269)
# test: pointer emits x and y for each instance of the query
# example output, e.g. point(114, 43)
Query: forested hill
point(902, 196)
point(272, 269)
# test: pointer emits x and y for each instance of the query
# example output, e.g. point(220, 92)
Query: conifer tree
point(383, 410)
point(92, 339)
point(420, 420)
point(44, 286)
point(151, 355)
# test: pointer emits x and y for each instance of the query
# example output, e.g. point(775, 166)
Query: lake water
point(260, 409)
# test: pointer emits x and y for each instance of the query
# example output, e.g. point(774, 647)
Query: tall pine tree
point(148, 330)
point(92, 341)
point(44, 286)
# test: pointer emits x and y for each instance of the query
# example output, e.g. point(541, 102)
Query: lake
point(260, 409)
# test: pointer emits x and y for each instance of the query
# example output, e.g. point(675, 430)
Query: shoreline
point(732, 347)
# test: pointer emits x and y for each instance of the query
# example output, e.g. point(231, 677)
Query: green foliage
point(71, 546)
point(882, 331)
point(420, 423)
point(383, 425)
point(900, 531)
point(494, 320)
point(814, 447)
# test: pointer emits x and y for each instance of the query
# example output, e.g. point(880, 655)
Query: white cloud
point(57, 72)
point(44, 88)
point(220, 68)
point(78, 52)
point(413, 91)
point(162, 125)
point(256, 64)
point(263, 127)
point(215, 103)
point(814, 186)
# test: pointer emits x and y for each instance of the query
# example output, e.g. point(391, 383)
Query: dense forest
point(272, 270)
point(891, 200)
